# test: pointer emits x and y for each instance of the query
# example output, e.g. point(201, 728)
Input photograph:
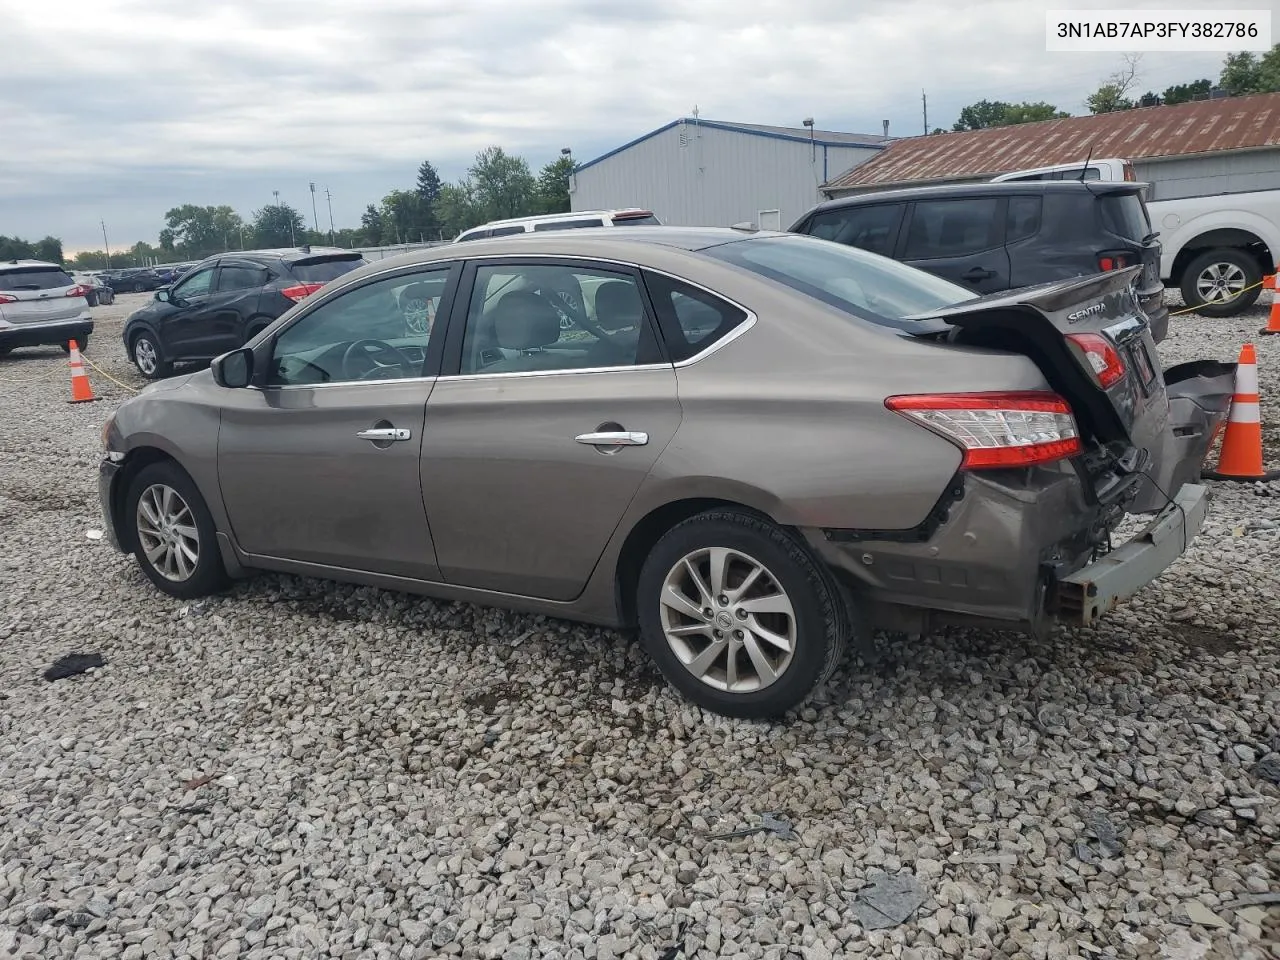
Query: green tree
point(89, 260)
point(402, 217)
point(553, 186)
point(278, 225)
point(997, 113)
point(456, 208)
point(428, 190)
point(502, 184)
point(49, 249)
point(371, 226)
point(1186, 92)
point(1112, 95)
point(193, 231)
point(1246, 73)
point(13, 248)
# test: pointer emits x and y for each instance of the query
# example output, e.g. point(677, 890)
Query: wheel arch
point(131, 337)
point(648, 530)
point(1235, 237)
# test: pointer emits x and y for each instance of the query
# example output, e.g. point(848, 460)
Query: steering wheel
point(366, 353)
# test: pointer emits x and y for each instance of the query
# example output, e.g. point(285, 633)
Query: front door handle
point(383, 434)
point(614, 438)
point(978, 273)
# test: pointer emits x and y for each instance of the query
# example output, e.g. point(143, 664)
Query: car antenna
point(1085, 168)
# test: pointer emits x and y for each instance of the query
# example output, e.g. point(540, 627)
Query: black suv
point(996, 236)
point(225, 300)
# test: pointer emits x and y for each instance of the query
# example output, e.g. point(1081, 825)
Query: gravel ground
point(303, 769)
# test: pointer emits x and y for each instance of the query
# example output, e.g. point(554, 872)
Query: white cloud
point(133, 106)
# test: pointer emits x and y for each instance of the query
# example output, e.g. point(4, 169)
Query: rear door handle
point(384, 433)
point(614, 438)
point(978, 273)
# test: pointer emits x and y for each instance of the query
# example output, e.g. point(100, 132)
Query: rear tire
point(1215, 274)
point(148, 357)
point(139, 288)
point(784, 624)
point(174, 538)
point(82, 344)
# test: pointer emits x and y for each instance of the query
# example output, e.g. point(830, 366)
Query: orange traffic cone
point(1241, 456)
point(1273, 322)
point(81, 392)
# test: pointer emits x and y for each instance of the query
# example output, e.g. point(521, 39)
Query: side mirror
point(234, 369)
point(163, 295)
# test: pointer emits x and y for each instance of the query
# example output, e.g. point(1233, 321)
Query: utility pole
point(924, 104)
point(329, 199)
point(106, 246)
point(315, 219)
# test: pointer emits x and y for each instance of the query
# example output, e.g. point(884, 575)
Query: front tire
point(174, 539)
point(739, 614)
point(149, 358)
point(139, 288)
point(1221, 282)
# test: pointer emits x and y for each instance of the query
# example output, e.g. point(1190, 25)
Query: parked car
point(133, 280)
point(752, 446)
point(224, 301)
point(41, 304)
point(991, 237)
point(98, 293)
point(630, 217)
point(1215, 247)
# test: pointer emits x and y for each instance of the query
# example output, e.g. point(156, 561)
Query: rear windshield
point(324, 269)
point(644, 220)
point(35, 278)
point(864, 284)
point(1125, 215)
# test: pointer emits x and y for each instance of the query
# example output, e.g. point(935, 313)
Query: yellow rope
point(107, 375)
point(1174, 313)
point(29, 379)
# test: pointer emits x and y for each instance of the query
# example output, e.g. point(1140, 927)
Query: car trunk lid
point(1091, 339)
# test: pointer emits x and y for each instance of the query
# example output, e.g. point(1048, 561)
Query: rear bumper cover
point(44, 332)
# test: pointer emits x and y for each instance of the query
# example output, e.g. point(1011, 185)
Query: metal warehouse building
point(1188, 150)
point(695, 172)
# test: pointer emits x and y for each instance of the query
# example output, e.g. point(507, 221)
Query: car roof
point(545, 217)
point(28, 264)
point(986, 188)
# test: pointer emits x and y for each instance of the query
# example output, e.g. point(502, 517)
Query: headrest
point(618, 305)
point(523, 320)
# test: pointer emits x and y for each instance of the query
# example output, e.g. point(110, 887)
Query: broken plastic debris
point(774, 823)
point(74, 664)
point(1197, 912)
point(93, 534)
point(1104, 831)
point(888, 900)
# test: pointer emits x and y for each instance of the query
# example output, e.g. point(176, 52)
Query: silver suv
point(40, 303)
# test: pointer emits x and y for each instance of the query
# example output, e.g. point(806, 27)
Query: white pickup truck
point(1216, 249)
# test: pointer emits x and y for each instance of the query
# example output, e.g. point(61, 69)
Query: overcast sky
point(117, 110)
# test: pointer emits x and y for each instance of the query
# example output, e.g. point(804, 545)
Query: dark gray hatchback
point(991, 237)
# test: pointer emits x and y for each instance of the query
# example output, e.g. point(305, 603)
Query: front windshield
point(864, 284)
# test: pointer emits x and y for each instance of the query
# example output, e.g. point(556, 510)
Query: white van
point(1092, 170)
point(630, 217)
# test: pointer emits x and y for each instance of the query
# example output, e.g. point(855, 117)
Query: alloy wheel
point(167, 532)
point(144, 352)
point(728, 620)
point(1220, 282)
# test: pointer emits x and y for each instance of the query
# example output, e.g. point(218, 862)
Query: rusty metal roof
point(1205, 126)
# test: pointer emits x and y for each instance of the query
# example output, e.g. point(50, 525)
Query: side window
point(872, 228)
point(196, 285)
point(567, 224)
point(1024, 218)
point(376, 332)
point(241, 278)
point(525, 318)
point(691, 319)
point(952, 228)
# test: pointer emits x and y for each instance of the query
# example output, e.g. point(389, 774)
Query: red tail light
point(299, 292)
point(1099, 355)
point(997, 429)
point(79, 290)
point(1114, 261)
point(5, 298)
